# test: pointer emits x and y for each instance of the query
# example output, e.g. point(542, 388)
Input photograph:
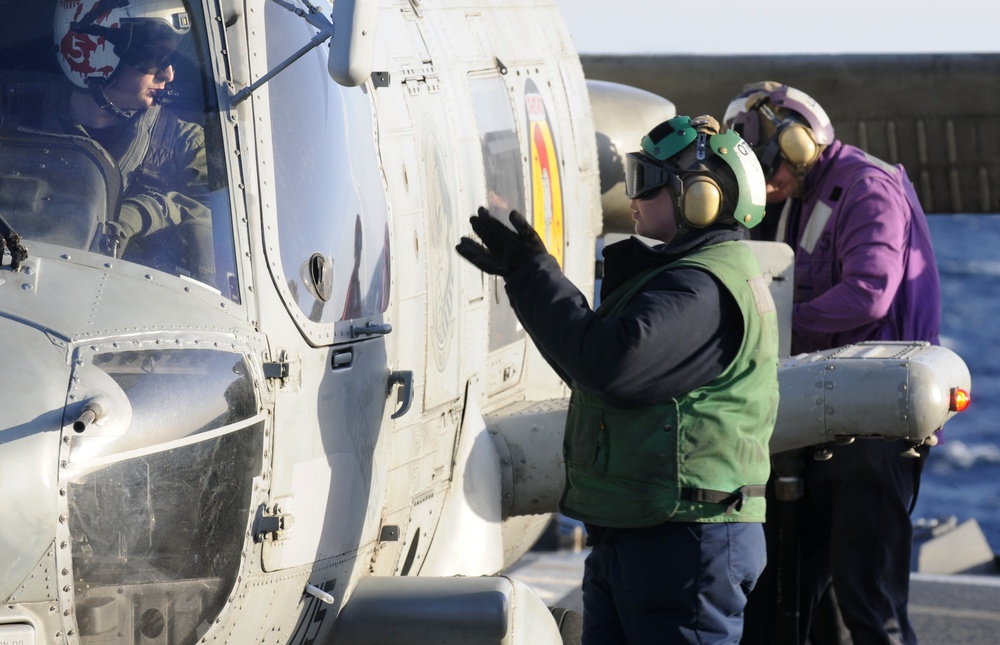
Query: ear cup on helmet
point(702, 201)
point(797, 143)
point(713, 177)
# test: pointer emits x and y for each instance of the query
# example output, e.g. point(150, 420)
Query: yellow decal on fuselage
point(546, 188)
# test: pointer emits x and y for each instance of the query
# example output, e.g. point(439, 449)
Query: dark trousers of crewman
point(677, 582)
point(854, 532)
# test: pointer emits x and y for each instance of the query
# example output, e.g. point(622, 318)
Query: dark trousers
point(854, 533)
point(673, 583)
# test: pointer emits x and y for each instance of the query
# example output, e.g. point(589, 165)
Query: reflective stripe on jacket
point(864, 262)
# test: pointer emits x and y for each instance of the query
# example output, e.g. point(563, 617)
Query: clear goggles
point(644, 177)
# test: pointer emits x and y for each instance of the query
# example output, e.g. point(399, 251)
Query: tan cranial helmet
point(782, 124)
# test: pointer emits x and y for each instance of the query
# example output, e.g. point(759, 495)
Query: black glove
point(502, 250)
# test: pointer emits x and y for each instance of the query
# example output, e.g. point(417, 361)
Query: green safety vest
point(701, 457)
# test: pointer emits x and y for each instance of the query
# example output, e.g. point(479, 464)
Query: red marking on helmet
point(77, 48)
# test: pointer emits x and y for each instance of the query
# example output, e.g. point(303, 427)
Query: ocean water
point(962, 477)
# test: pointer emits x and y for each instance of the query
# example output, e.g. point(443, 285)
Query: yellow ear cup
point(797, 144)
point(702, 202)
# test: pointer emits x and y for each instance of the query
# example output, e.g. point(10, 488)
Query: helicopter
point(293, 415)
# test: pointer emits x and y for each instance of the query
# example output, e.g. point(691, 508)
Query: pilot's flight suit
point(164, 168)
point(164, 171)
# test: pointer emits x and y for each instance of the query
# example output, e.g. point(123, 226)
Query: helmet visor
point(643, 176)
point(149, 45)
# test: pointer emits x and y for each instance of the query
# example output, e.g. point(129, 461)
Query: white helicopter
point(278, 408)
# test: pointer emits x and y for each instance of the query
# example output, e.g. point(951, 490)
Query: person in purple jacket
point(864, 270)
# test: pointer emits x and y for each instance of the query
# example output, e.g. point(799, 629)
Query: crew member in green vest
point(674, 388)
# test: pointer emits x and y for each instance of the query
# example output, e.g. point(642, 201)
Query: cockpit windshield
point(57, 188)
point(110, 139)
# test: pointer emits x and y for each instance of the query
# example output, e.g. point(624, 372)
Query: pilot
point(864, 270)
point(118, 56)
point(674, 388)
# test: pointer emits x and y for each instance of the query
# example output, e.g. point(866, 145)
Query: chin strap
point(96, 87)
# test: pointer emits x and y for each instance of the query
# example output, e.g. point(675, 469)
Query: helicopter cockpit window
point(332, 227)
point(110, 138)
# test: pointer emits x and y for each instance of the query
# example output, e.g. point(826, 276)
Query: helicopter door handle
point(404, 378)
point(371, 329)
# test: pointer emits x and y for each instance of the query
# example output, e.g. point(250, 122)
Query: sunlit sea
point(962, 478)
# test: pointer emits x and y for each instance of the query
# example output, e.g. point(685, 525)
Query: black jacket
point(675, 335)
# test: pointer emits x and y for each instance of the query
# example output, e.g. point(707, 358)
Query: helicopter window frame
point(32, 91)
point(327, 223)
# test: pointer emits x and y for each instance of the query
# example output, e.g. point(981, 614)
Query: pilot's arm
point(172, 195)
point(180, 193)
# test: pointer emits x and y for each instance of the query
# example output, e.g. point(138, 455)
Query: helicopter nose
point(34, 392)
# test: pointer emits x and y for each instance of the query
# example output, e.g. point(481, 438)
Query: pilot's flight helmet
point(714, 177)
point(782, 124)
point(93, 37)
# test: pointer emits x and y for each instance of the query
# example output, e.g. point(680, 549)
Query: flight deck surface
point(944, 609)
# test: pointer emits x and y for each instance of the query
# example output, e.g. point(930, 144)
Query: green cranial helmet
point(715, 177)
